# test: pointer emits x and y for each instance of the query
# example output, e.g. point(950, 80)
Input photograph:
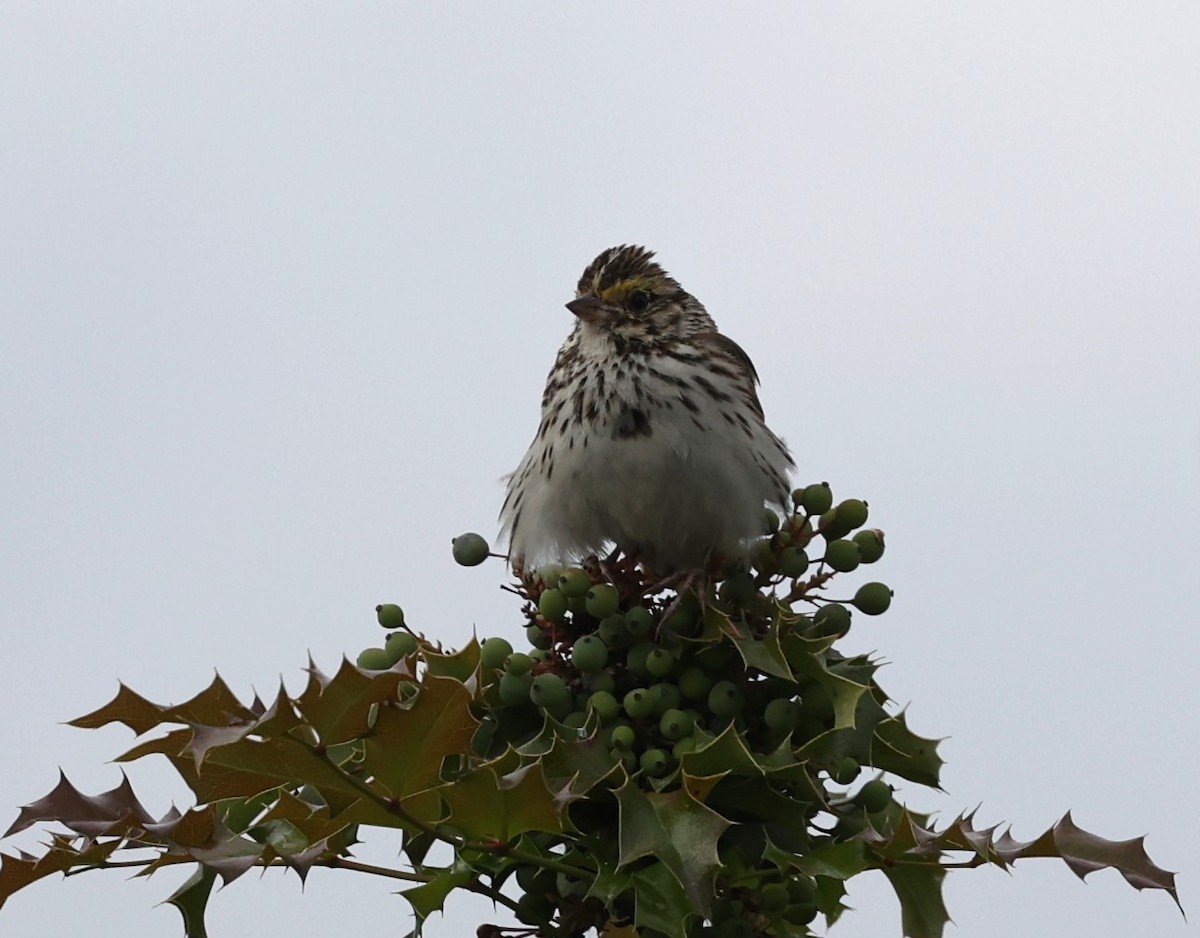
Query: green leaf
point(191, 899)
point(677, 830)
point(484, 805)
point(899, 750)
point(430, 897)
point(660, 903)
point(919, 888)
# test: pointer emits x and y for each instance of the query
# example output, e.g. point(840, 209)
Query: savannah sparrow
point(652, 436)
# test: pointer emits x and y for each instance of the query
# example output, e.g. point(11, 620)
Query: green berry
point(638, 703)
point(605, 704)
point(852, 512)
point(676, 724)
point(873, 599)
point(762, 556)
point(801, 913)
point(575, 719)
point(374, 659)
point(589, 653)
point(831, 528)
point(612, 631)
point(793, 562)
point(390, 615)
point(845, 770)
point(874, 796)
point(666, 696)
point(637, 656)
point(781, 715)
point(574, 582)
point(518, 663)
point(493, 651)
point(801, 889)
point(832, 619)
point(538, 637)
point(469, 549)
point(639, 622)
point(514, 688)
point(770, 521)
point(842, 555)
point(601, 680)
point(552, 605)
point(659, 662)
point(725, 699)
point(683, 746)
point(603, 600)
point(548, 691)
point(622, 737)
point(774, 897)
point(816, 499)
point(694, 683)
point(655, 762)
point(870, 544)
point(738, 588)
point(399, 645)
point(548, 574)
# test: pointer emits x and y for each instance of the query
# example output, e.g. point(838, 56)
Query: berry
point(514, 688)
point(638, 703)
point(622, 737)
point(676, 724)
point(601, 680)
point(390, 615)
point(831, 527)
point(873, 599)
point(816, 499)
point(603, 600)
point(874, 796)
point(589, 653)
point(518, 663)
point(845, 770)
point(636, 657)
point(552, 605)
point(399, 645)
point(639, 622)
point(666, 696)
point(374, 659)
point(550, 693)
point(655, 762)
point(832, 619)
point(793, 562)
point(694, 683)
point(493, 651)
point(725, 699)
point(607, 706)
point(738, 588)
point(538, 637)
point(770, 521)
point(842, 555)
point(659, 662)
point(852, 512)
point(870, 544)
point(612, 631)
point(781, 715)
point(469, 549)
point(774, 897)
point(574, 583)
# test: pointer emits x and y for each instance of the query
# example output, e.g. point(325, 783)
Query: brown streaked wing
point(731, 350)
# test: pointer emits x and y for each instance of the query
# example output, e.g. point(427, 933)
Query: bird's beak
point(587, 307)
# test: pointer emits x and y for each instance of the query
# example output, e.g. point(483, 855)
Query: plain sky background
point(280, 285)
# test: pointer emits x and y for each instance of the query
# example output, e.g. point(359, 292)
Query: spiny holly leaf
point(577, 766)
point(127, 707)
point(90, 815)
point(433, 725)
point(430, 897)
point(660, 902)
point(339, 708)
point(1085, 853)
point(17, 872)
point(899, 750)
point(484, 805)
point(191, 899)
point(678, 831)
point(460, 665)
point(919, 888)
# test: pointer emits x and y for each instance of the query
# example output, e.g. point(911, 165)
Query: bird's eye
point(639, 300)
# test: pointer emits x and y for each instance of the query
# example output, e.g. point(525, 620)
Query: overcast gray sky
point(280, 285)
